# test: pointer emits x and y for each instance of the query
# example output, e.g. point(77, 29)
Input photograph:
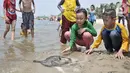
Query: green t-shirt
point(74, 31)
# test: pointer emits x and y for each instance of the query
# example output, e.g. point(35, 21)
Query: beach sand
point(17, 56)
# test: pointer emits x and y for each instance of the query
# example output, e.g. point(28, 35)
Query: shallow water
point(13, 53)
point(17, 56)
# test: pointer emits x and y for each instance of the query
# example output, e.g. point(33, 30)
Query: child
point(113, 34)
point(59, 27)
point(60, 23)
point(10, 17)
point(82, 32)
point(92, 17)
point(121, 16)
point(28, 15)
point(67, 7)
point(22, 30)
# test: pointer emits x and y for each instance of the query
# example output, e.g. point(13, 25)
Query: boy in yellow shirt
point(68, 8)
point(113, 34)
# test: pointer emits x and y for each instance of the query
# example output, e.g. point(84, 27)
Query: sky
point(49, 7)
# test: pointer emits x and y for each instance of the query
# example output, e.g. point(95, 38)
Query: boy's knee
point(104, 33)
point(87, 35)
point(114, 34)
point(67, 33)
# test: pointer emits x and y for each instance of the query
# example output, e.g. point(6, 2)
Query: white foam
point(60, 69)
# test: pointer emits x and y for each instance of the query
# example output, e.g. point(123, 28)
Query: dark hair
point(82, 10)
point(93, 6)
point(22, 25)
point(58, 19)
point(110, 12)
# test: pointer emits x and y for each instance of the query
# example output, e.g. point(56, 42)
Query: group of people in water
point(77, 27)
point(11, 17)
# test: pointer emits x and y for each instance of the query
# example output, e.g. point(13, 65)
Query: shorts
point(28, 20)
point(11, 18)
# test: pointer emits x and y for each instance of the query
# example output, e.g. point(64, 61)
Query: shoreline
point(17, 56)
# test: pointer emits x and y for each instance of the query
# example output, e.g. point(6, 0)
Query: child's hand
point(89, 51)
point(21, 10)
point(33, 11)
point(6, 19)
point(66, 50)
point(119, 54)
point(81, 30)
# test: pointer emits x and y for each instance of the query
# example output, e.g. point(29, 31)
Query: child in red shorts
point(10, 17)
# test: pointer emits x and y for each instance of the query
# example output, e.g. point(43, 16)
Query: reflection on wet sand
point(25, 46)
point(16, 56)
point(18, 48)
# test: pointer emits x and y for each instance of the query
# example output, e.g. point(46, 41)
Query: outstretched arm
point(17, 10)
point(33, 6)
point(59, 5)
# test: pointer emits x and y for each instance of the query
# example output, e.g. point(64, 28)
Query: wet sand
point(17, 56)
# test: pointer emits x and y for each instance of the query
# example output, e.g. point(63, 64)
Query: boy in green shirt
point(82, 32)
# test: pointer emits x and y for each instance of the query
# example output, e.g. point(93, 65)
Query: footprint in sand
point(126, 65)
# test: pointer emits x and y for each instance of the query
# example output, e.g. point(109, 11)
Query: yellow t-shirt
point(69, 10)
point(124, 34)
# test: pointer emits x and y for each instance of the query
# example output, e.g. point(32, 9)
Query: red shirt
point(10, 5)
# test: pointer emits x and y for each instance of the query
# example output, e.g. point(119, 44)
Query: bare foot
point(2, 38)
point(32, 40)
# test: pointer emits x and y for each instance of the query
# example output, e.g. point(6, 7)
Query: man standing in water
point(68, 8)
point(27, 15)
